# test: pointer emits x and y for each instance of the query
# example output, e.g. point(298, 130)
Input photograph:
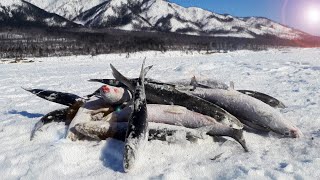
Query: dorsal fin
point(147, 69)
point(116, 74)
point(231, 84)
point(142, 72)
point(194, 82)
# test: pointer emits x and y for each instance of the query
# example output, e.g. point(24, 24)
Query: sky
point(299, 14)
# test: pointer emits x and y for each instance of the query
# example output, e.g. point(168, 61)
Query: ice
point(275, 72)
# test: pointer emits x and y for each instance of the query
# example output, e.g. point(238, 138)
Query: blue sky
point(289, 12)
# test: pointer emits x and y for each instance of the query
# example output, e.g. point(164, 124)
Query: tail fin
point(116, 74)
point(36, 127)
point(238, 136)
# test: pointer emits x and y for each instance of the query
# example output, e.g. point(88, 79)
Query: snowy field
point(291, 75)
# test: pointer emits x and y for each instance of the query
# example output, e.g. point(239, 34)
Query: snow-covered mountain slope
point(160, 15)
point(291, 75)
point(66, 8)
point(22, 13)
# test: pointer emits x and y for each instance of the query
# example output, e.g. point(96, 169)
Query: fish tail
point(238, 136)
point(37, 126)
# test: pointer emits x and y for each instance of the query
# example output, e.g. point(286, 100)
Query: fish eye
point(286, 133)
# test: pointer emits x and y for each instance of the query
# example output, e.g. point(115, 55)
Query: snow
point(240, 35)
point(269, 27)
point(66, 8)
point(10, 2)
point(291, 75)
point(197, 19)
point(14, 4)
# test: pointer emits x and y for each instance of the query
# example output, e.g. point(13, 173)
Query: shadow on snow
point(112, 155)
point(26, 114)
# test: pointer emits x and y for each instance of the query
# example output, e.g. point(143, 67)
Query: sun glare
point(313, 15)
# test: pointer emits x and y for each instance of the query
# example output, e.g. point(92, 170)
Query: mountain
point(163, 16)
point(66, 8)
point(21, 13)
point(160, 15)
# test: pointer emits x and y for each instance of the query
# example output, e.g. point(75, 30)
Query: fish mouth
point(105, 89)
point(296, 133)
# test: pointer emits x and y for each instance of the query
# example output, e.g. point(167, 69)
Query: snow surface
point(291, 75)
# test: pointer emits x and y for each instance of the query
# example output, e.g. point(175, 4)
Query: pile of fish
point(141, 109)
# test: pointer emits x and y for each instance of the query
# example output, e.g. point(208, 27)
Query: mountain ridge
point(164, 16)
point(160, 15)
point(22, 13)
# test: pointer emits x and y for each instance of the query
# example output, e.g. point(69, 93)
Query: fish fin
point(27, 89)
point(231, 84)
point(116, 74)
point(194, 82)
point(97, 92)
point(36, 127)
point(96, 80)
point(143, 72)
point(147, 69)
point(59, 115)
point(238, 136)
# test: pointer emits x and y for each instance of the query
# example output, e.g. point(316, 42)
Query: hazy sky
point(300, 14)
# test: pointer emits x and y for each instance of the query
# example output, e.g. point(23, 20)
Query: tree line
point(39, 42)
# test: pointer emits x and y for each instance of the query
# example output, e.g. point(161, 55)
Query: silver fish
point(247, 108)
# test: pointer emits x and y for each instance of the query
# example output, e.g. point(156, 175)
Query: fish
point(273, 102)
point(115, 95)
point(181, 116)
point(165, 93)
point(101, 130)
point(207, 84)
point(137, 130)
point(249, 109)
point(165, 114)
point(60, 115)
point(116, 83)
point(84, 114)
point(66, 99)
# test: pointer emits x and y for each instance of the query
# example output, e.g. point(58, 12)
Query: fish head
point(105, 89)
point(293, 133)
point(112, 95)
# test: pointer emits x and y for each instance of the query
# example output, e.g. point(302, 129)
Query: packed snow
point(291, 75)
